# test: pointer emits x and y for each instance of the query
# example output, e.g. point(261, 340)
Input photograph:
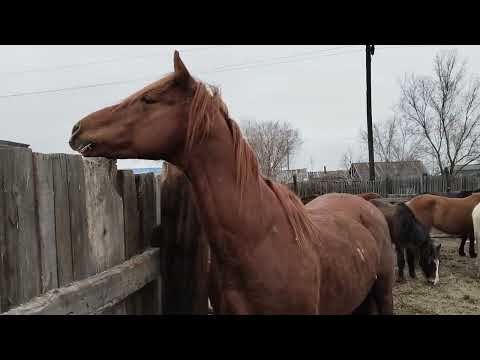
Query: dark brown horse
point(470, 236)
point(272, 254)
point(411, 237)
point(451, 215)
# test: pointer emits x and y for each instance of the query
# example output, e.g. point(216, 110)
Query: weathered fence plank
point(45, 208)
point(63, 237)
point(184, 248)
point(97, 293)
point(22, 255)
point(131, 220)
point(4, 266)
point(145, 185)
point(81, 252)
point(104, 218)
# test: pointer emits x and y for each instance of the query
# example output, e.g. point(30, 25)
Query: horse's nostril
point(76, 127)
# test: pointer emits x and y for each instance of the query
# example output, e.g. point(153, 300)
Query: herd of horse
point(270, 253)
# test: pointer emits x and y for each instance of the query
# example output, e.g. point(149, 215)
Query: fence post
point(388, 183)
point(447, 178)
point(295, 184)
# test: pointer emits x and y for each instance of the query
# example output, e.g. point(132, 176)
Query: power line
point(219, 69)
point(104, 61)
point(224, 68)
point(289, 56)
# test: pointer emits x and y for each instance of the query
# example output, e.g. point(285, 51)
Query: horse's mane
point(204, 108)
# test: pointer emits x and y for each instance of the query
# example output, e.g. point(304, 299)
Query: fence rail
point(386, 187)
point(97, 293)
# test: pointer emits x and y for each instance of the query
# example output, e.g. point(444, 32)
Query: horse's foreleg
point(411, 263)
point(471, 247)
point(461, 249)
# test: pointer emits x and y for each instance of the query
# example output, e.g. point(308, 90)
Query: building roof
point(328, 175)
point(469, 167)
point(13, 144)
point(286, 176)
point(402, 169)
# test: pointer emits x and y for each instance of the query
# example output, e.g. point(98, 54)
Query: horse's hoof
point(413, 276)
point(461, 253)
point(473, 256)
point(401, 280)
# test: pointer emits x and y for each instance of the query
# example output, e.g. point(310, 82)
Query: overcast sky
point(319, 89)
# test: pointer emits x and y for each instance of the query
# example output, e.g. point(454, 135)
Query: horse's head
point(150, 124)
point(429, 260)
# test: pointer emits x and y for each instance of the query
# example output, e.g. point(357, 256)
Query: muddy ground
point(457, 293)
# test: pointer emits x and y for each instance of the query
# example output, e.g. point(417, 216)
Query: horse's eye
point(147, 99)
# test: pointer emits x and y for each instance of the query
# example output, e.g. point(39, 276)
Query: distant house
point(156, 171)
point(4, 143)
point(393, 169)
point(331, 175)
point(468, 170)
point(286, 176)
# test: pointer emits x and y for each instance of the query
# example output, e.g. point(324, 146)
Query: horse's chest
point(274, 278)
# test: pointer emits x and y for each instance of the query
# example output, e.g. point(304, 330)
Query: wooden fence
point(385, 187)
point(75, 236)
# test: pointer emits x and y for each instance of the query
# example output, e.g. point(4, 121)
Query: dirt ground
point(457, 293)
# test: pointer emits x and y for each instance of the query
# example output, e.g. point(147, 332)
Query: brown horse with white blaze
point(272, 254)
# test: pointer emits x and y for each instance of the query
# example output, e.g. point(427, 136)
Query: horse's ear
point(182, 75)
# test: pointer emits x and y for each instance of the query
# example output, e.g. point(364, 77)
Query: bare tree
point(275, 144)
point(347, 159)
point(444, 111)
point(393, 140)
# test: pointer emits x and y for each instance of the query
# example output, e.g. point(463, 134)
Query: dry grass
point(457, 293)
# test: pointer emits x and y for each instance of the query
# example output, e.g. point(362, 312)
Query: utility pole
point(369, 50)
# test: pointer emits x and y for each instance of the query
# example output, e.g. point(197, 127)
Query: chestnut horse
point(451, 215)
point(272, 254)
point(469, 236)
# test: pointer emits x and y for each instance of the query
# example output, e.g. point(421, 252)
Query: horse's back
point(352, 208)
point(355, 248)
point(450, 215)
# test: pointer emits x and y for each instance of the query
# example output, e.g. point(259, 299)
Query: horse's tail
point(476, 230)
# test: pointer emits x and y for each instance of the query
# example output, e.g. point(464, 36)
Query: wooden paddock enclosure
point(78, 236)
point(75, 236)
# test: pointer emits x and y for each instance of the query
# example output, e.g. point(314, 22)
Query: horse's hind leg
point(368, 306)
point(382, 293)
point(411, 263)
point(461, 249)
point(400, 264)
point(471, 247)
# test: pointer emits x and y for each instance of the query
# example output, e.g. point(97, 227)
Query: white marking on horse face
point(437, 262)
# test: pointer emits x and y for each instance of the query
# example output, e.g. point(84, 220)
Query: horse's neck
point(232, 222)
